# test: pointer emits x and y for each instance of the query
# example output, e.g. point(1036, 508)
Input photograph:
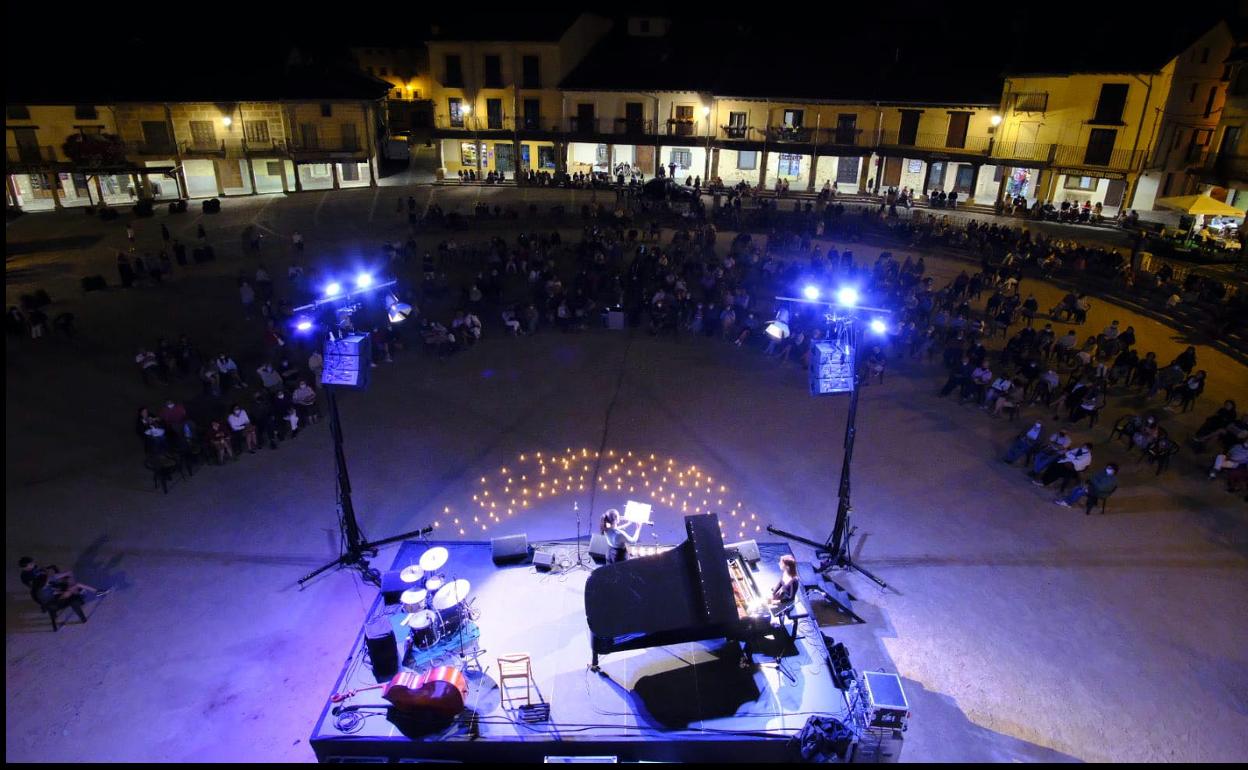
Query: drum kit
point(436, 607)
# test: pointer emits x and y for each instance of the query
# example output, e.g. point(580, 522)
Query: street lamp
point(995, 120)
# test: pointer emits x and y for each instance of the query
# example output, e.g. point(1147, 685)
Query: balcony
point(735, 132)
point(1035, 152)
point(323, 146)
point(30, 154)
point(1035, 101)
point(265, 147)
point(533, 123)
point(682, 128)
point(969, 145)
point(203, 148)
point(634, 127)
point(1224, 170)
point(1123, 160)
point(152, 149)
point(582, 125)
point(797, 134)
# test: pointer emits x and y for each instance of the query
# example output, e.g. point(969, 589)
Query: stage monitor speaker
point(347, 362)
point(392, 586)
point(382, 649)
point(544, 560)
point(598, 547)
point(511, 549)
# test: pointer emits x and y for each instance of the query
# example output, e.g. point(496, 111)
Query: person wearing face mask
point(1097, 488)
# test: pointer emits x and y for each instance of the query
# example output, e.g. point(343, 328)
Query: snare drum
point(414, 600)
point(423, 628)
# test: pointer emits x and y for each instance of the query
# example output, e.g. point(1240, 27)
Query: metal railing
point(634, 126)
point(933, 141)
point(158, 149)
point(262, 146)
point(735, 132)
point(1026, 151)
point(584, 126)
point(797, 134)
point(326, 145)
point(30, 154)
point(1068, 155)
point(203, 148)
point(676, 127)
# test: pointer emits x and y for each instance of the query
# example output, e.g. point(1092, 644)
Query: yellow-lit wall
point(54, 124)
point(475, 94)
point(452, 156)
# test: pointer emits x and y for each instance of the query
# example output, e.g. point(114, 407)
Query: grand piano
point(698, 590)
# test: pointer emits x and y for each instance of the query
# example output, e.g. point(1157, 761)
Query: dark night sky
point(797, 44)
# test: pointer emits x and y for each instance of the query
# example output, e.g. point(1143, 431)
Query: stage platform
point(689, 702)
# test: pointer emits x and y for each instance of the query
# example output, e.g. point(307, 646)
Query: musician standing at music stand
point(618, 535)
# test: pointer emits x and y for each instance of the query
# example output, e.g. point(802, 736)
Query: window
point(1213, 94)
point(682, 158)
point(494, 113)
point(454, 72)
point(256, 131)
point(790, 165)
point(350, 141)
point(85, 112)
point(1031, 102)
point(846, 129)
point(1230, 141)
point(327, 110)
point(546, 157)
point(468, 153)
point(531, 72)
point(1111, 104)
point(456, 108)
point(909, 132)
point(493, 72)
point(1204, 56)
point(156, 135)
point(350, 172)
point(684, 113)
point(959, 122)
point(273, 167)
point(203, 135)
point(532, 114)
point(747, 160)
point(1085, 183)
point(736, 128)
point(1100, 146)
point(307, 132)
point(17, 112)
point(847, 170)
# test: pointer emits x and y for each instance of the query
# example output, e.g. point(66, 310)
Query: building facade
point(1225, 170)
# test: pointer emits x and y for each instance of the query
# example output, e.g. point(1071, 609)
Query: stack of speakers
point(831, 368)
point(347, 362)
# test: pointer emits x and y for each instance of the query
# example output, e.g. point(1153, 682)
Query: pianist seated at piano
point(618, 535)
point(785, 593)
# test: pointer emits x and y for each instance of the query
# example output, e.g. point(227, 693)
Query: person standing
point(316, 364)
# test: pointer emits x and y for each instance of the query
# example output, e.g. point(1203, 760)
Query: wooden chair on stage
point(515, 666)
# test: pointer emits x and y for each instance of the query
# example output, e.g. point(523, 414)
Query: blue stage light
point(811, 292)
point(847, 296)
point(363, 280)
point(333, 289)
point(878, 326)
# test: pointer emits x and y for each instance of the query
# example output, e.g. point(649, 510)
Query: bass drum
point(440, 692)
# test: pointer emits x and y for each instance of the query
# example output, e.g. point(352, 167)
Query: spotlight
point(811, 292)
point(847, 296)
point(333, 289)
point(777, 329)
point(303, 325)
point(363, 281)
point(878, 326)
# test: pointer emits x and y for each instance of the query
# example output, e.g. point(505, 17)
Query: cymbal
point(451, 595)
point(412, 574)
point(422, 619)
point(434, 558)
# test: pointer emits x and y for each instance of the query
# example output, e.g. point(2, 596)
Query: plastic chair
point(515, 666)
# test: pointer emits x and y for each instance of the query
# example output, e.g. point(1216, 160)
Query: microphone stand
point(580, 558)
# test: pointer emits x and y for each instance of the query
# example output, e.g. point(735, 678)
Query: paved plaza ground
point(1023, 631)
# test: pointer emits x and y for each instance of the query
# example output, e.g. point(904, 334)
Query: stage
point(687, 702)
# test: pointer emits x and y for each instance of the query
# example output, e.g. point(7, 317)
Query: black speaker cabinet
point(382, 649)
point(392, 586)
point(512, 549)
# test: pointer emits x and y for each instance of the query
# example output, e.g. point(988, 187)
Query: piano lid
point(684, 588)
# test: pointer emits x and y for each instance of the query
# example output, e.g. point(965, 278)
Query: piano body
point(698, 590)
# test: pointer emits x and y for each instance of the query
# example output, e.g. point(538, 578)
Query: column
point(136, 186)
point(370, 122)
point(658, 156)
point(99, 190)
point(927, 178)
point(298, 177)
point(714, 163)
point(179, 177)
point(281, 165)
point(975, 167)
point(333, 172)
point(56, 190)
point(611, 161)
point(516, 157)
point(814, 166)
point(1005, 180)
point(251, 174)
point(216, 177)
point(762, 170)
point(561, 157)
point(13, 191)
point(863, 174)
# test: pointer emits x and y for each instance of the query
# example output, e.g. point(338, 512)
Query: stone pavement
point(1024, 631)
